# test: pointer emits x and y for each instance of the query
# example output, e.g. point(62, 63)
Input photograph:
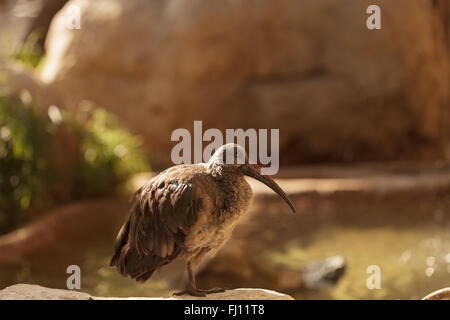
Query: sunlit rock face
point(35, 292)
point(336, 90)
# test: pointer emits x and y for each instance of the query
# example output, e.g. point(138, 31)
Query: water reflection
point(413, 254)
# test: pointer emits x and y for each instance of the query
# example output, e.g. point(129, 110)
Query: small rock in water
point(429, 271)
point(323, 273)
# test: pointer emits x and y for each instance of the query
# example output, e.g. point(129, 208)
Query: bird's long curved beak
point(254, 171)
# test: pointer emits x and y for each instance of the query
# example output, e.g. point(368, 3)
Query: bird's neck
point(229, 178)
point(222, 171)
point(236, 193)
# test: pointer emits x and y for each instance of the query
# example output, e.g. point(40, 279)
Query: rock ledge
point(35, 292)
point(442, 294)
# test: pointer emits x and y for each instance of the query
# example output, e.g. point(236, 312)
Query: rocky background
point(336, 90)
point(364, 119)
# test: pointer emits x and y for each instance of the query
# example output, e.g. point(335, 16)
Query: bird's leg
point(192, 287)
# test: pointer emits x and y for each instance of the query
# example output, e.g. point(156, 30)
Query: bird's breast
point(216, 223)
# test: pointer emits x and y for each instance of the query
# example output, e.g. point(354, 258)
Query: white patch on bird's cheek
point(240, 158)
point(229, 157)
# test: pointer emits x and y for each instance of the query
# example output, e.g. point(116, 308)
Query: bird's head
point(232, 156)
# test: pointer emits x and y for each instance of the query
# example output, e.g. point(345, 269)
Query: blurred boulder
point(63, 227)
point(40, 21)
point(336, 90)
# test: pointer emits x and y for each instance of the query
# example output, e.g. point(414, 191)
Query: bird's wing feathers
point(162, 213)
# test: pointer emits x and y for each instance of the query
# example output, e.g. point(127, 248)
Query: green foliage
point(30, 53)
point(24, 139)
point(107, 156)
point(110, 153)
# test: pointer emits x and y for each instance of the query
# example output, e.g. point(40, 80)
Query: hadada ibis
point(186, 211)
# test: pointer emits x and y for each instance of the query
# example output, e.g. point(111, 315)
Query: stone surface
point(35, 292)
point(64, 227)
point(323, 273)
point(311, 68)
point(442, 294)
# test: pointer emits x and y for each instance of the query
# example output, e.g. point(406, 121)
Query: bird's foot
point(190, 291)
point(198, 292)
point(213, 290)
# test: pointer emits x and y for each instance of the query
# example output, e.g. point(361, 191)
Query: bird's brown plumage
point(163, 211)
point(186, 210)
